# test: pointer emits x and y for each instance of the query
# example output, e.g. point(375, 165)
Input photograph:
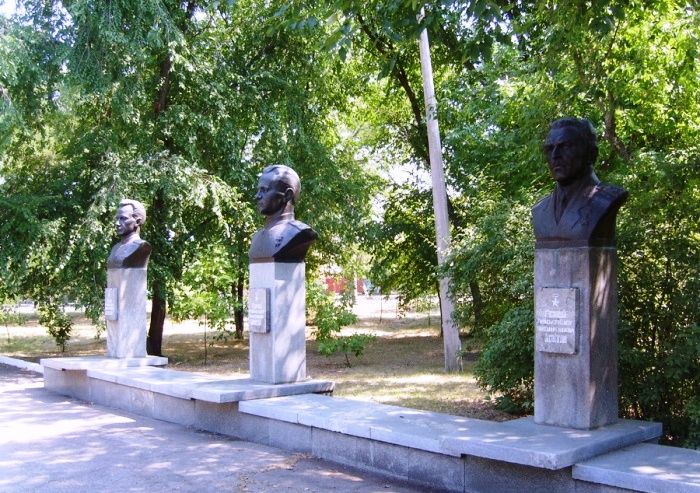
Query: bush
point(9, 317)
point(330, 315)
point(506, 364)
point(57, 322)
point(495, 260)
point(659, 282)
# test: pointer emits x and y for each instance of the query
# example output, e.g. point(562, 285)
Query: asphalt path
point(51, 443)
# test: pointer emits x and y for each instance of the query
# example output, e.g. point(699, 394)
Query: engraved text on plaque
point(259, 310)
point(111, 304)
point(556, 320)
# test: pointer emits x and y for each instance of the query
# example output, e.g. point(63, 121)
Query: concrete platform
point(50, 443)
point(432, 450)
point(519, 441)
point(186, 385)
point(135, 373)
point(94, 362)
point(645, 467)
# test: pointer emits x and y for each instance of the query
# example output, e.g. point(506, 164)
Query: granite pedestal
point(576, 337)
point(277, 322)
point(125, 313)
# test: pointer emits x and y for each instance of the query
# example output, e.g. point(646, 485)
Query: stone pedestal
point(576, 337)
point(277, 322)
point(125, 313)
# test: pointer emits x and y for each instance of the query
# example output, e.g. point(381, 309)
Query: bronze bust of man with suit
point(581, 210)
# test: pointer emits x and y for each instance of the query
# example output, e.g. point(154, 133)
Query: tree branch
point(399, 71)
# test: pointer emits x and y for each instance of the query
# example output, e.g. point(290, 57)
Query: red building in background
point(338, 285)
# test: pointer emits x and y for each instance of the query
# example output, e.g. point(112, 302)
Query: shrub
point(57, 322)
point(330, 315)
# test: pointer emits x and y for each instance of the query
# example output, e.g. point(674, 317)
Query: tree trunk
point(477, 303)
point(238, 311)
point(610, 132)
point(154, 341)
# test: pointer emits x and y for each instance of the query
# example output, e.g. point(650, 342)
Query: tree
point(119, 110)
point(633, 69)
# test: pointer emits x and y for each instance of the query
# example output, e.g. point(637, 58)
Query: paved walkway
point(53, 444)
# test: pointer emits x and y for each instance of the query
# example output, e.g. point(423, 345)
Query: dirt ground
point(403, 366)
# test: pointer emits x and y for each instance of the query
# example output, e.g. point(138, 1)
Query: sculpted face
point(269, 198)
point(125, 222)
point(567, 155)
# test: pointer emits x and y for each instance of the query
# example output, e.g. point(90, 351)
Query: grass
point(403, 367)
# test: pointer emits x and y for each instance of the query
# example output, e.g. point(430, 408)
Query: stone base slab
point(95, 362)
point(645, 467)
point(136, 374)
point(437, 451)
point(520, 441)
point(187, 385)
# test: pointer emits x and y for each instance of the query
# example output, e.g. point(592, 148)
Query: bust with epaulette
point(581, 211)
point(283, 238)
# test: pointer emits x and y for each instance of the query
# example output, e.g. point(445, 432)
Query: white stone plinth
point(126, 336)
point(279, 355)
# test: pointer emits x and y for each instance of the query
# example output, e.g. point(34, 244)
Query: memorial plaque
point(259, 310)
point(111, 304)
point(557, 320)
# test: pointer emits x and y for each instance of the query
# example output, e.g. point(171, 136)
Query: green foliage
point(178, 105)
point(58, 323)
point(207, 290)
point(505, 365)
point(659, 282)
point(353, 344)
point(147, 99)
point(692, 409)
point(8, 316)
point(405, 259)
point(634, 71)
point(495, 253)
point(330, 315)
point(492, 281)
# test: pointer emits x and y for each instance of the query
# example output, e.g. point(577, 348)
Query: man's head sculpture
point(131, 251)
point(131, 214)
point(571, 149)
point(581, 211)
point(279, 188)
point(283, 239)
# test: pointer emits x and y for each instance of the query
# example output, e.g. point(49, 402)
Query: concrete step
point(520, 441)
point(645, 467)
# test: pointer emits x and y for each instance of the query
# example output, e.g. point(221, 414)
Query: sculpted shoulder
point(610, 193)
point(541, 205)
point(132, 255)
point(285, 241)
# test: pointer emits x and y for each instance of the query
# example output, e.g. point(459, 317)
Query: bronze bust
point(131, 251)
point(283, 238)
point(581, 210)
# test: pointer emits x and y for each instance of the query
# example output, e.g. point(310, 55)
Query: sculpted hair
point(285, 176)
point(584, 128)
point(138, 208)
